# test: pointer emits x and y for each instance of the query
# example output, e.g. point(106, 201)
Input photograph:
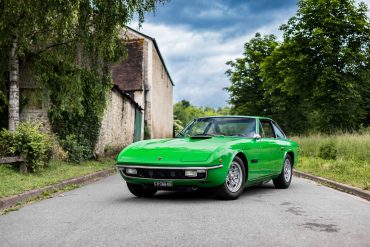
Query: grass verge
point(349, 172)
point(350, 166)
point(12, 182)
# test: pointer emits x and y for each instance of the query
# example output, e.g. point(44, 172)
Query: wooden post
point(23, 168)
point(15, 160)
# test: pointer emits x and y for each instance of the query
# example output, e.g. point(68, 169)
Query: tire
point(141, 191)
point(285, 178)
point(234, 183)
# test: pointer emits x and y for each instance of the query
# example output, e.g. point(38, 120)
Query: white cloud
point(196, 58)
point(218, 10)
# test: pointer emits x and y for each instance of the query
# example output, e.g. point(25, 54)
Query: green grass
point(352, 164)
point(12, 182)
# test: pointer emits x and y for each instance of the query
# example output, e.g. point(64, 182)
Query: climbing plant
point(41, 26)
point(77, 93)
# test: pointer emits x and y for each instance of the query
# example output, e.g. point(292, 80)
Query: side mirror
point(256, 136)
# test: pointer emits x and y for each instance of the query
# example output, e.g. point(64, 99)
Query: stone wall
point(35, 105)
point(117, 128)
point(118, 123)
point(36, 115)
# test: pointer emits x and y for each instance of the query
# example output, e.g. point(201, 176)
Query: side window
point(279, 133)
point(268, 131)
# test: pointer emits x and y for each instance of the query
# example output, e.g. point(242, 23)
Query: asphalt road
point(106, 214)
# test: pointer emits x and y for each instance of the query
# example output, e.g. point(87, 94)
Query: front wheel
point(285, 178)
point(234, 183)
point(141, 191)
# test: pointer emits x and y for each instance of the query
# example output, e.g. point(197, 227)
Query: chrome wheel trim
point(234, 178)
point(287, 170)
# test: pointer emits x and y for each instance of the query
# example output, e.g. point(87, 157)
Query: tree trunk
point(14, 87)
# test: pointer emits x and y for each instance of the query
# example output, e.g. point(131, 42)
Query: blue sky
point(197, 37)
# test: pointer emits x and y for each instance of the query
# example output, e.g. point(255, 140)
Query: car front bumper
point(207, 176)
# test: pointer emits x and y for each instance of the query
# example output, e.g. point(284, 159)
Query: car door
point(283, 145)
point(269, 147)
point(253, 152)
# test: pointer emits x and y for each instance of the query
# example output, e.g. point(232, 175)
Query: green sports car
point(225, 153)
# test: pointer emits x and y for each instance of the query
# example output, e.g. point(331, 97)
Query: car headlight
point(191, 173)
point(131, 171)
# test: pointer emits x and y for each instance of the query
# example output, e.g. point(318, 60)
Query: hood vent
point(201, 137)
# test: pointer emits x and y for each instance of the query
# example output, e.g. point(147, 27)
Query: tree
point(287, 107)
point(322, 64)
point(246, 89)
point(34, 27)
point(184, 112)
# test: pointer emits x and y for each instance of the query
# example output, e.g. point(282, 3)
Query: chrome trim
point(167, 179)
point(120, 169)
point(170, 167)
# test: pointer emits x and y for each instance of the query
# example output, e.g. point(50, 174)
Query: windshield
point(225, 126)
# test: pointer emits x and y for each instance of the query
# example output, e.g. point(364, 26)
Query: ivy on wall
point(74, 79)
point(77, 94)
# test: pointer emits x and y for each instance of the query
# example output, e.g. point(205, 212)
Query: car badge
point(159, 158)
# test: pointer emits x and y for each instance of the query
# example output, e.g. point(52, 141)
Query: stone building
point(140, 103)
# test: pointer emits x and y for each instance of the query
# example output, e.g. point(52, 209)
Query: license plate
point(163, 184)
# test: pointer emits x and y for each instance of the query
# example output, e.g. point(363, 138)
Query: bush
point(328, 151)
point(76, 152)
point(364, 130)
point(29, 142)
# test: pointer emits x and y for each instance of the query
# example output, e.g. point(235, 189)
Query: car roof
point(236, 116)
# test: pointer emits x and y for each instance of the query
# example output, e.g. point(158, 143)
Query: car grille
point(163, 174)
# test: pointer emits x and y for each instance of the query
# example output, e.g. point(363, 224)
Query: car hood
point(173, 151)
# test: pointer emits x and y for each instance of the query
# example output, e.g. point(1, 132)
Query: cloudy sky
point(197, 37)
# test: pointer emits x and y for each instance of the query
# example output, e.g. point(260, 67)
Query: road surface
point(106, 214)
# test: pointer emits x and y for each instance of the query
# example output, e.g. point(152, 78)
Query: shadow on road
point(199, 195)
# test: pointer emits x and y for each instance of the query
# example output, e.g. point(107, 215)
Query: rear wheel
point(285, 178)
point(234, 183)
point(141, 191)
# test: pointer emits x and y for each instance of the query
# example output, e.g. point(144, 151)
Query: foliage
point(351, 164)
point(70, 46)
point(349, 146)
point(329, 56)
point(177, 125)
point(111, 151)
point(76, 152)
point(34, 146)
point(12, 183)
point(351, 172)
point(78, 98)
point(42, 25)
point(364, 130)
point(328, 151)
point(317, 79)
point(184, 112)
point(247, 94)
